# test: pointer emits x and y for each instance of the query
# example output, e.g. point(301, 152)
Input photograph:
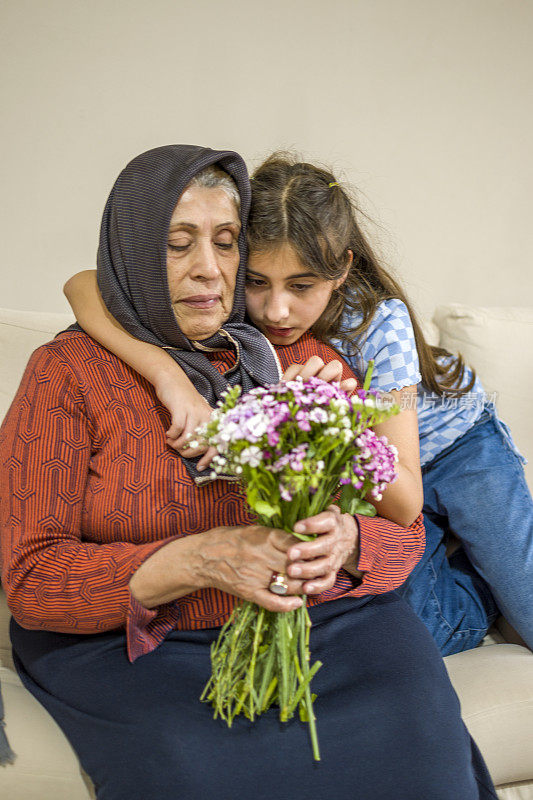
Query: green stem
point(305, 628)
point(257, 638)
point(267, 673)
point(368, 376)
point(271, 687)
point(283, 684)
point(305, 681)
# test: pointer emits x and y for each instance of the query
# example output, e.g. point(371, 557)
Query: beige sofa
point(494, 682)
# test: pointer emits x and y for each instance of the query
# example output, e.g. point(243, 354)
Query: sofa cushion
point(6, 659)
point(495, 687)
point(21, 332)
point(498, 343)
point(516, 791)
point(46, 767)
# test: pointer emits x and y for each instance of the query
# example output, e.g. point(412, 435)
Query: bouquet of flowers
point(292, 446)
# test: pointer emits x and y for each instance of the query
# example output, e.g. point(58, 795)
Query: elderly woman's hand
point(241, 561)
point(238, 560)
point(316, 563)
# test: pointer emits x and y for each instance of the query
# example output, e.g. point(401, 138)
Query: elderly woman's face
point(202, 260)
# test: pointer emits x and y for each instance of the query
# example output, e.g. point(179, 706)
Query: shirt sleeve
point(53, 579)
point(388, 553)
point(390, 341)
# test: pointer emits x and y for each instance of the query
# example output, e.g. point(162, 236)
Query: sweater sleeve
point(53, 579)
point(387, 553)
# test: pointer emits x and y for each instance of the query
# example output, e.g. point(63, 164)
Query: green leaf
point(265, 509)
point(351, 503)
point(252, 495)
point(364, 508)
point(347, 499)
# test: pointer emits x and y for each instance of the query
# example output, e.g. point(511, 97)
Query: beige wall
point(424, 104)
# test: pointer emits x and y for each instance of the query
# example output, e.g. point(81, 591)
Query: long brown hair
point(303, 205)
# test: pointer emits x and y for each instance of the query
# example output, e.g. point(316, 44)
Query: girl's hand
point(316, 563)
point(188, 410)
point(315, 367)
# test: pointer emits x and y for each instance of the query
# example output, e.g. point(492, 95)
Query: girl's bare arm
point(402, 500)
point(187, 407)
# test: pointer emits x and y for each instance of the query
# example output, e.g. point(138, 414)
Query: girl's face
point(284, 298)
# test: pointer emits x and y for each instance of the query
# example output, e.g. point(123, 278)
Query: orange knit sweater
point(89, 490)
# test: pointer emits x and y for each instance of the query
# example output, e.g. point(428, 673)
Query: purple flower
point(304, 432)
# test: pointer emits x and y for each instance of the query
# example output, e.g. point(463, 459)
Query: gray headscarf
point(132, 272)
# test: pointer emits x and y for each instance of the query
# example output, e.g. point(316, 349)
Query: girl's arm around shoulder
point(188, 409)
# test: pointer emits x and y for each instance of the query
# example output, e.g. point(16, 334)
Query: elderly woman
point(120, 561)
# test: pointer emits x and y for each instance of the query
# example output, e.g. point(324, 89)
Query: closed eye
point(250, 281)
point(181, 248)
point(301, 287)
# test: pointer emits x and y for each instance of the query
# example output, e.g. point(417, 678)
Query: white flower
point(227, 430)
point(284, 493)
point(341, 403)
point(318, 415)
point(320, 466)
point(251, 455)
point(256, 425)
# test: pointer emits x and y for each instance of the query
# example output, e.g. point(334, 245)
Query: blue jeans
point(476, 490)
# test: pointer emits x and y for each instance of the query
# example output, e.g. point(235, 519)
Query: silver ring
point(278, 584)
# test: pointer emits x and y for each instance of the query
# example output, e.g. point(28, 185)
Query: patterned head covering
point(132, 271)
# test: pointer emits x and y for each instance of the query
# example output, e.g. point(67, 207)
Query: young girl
point(312, 269)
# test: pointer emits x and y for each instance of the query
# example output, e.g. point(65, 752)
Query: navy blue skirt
point(388, 718)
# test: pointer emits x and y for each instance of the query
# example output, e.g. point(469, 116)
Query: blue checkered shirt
point(390, 341)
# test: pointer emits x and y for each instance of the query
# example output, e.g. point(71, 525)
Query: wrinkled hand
point(316, 563)
point(241, 561)
point(315, 367)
